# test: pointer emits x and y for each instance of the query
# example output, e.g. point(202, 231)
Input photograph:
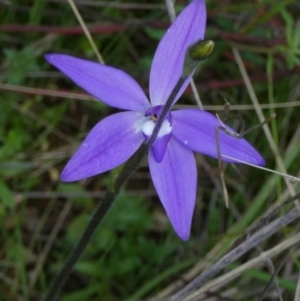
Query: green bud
point(201, 50)
point(196, 53)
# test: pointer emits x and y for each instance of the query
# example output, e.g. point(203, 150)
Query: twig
point(275, 273)
point(217, 249)
point(297, 293)
point(72, 194)
point(117, 5)
point(250, 264)
point(236, 253)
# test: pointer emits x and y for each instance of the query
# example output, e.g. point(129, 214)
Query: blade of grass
point(86, 31)
point(261, 117)
point(52, 237)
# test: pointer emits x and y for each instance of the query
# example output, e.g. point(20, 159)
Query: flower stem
point(130, 166)
point(166, 108)
point(79, 248)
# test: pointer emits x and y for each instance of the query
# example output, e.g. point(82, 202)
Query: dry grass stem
point(297, 293)
point(86, 31)
point(87, 97)
point(261, 117)
point(236, 253)
point(53, 235)
point(246, 266)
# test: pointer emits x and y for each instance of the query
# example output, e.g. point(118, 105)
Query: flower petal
point(196, 130)
point(110, 143)
point(110, 85)
point(167, 64)
point(175, 180)
point(159, 146)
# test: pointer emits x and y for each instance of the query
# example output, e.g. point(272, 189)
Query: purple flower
point(116, 138)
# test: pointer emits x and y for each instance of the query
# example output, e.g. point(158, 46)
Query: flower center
point(154, 117)
point(149, 124)
point(160, 144)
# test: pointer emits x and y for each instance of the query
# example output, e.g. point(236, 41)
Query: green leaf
point(289, 25)
point(6, 196)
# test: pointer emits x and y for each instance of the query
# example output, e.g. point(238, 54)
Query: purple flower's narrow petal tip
point(110, 143)
point(66, 175)
point(262, 161)
point(257, 157)
point(159, 147)
point(108, 84)
point(167, 64)
point(48, 57)
point(175, 180)
point(196, 130)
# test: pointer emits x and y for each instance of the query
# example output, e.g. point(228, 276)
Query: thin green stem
point(130, 166)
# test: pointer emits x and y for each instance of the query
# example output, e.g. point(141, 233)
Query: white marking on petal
point(149, 125)
point(165, 129)
point(138, 125)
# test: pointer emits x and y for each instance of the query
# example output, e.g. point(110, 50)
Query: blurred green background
point(135, 254)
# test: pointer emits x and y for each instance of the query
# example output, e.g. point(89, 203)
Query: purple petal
point(168, 61)
point(110, 143)
point(110, 85)
point(175, 180)
point(159, 147)
point(196, 130)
